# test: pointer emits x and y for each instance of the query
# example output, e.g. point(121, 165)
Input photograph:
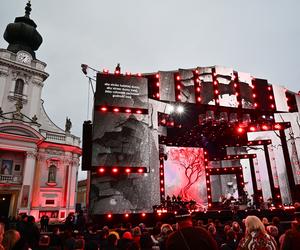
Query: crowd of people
point(250, 233)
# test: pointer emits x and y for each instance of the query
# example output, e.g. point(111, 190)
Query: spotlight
point(180, 109)
point(84, 68)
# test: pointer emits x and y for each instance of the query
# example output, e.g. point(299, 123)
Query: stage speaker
point(87, 132)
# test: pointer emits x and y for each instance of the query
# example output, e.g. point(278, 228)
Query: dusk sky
point(261, 37)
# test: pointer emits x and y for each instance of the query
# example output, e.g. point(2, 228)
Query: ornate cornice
point(25, 68)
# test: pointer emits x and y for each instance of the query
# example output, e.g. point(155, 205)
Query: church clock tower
point(38, 160)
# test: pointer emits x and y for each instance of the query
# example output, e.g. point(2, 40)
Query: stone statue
point(68, 125)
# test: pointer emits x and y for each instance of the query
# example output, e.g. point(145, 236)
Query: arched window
point(52, 174)
point(19, 87)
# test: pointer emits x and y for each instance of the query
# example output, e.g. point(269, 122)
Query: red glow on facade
point(126, 215)
point(143, 214)
point(109, 216)
point(178, 78)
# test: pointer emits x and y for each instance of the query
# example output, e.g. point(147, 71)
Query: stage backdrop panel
point(185, 174)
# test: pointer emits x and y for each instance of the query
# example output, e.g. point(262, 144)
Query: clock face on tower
point(24, 57)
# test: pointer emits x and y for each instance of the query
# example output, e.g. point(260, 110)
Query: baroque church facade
point(38, 160)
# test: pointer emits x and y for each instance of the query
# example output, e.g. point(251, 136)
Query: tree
point(192, 160)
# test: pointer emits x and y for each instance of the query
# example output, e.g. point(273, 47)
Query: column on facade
point(35, 201)
point(72, 184)
point(3, 77)
point(28, 179)
point(36, 88)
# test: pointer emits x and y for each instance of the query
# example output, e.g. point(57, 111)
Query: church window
point(52, 174)
point(19, 87)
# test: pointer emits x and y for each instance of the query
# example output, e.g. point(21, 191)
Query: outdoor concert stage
point(210, 135)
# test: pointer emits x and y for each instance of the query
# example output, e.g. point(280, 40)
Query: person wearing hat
point(187, 237)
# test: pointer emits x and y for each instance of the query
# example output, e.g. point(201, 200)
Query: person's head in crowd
point(230, 235)
point(136, 231)
point(127, 235)
point(31, 219)
point(275, 221)
point(212, 229)
point(253, 223)
point(265, 221)
point(166, 229)
point(1, 232)
point(24, 217)
point(128, 225)
point(236, 227)
point(227, 228)
point(273, 231)
point(112, 240)
point(142, 226)
point(105, 231)
point(115, 233)
point(10, 238)
point(199, 223)
point(210, 221)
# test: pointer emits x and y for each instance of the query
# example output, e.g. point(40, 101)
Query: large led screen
point(120, 133)
point(185, 174)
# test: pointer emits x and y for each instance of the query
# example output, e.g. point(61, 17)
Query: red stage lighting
point(126, 215)
point(157, 84)
point(277, 126)
point(101, 170)
point(128, 110)
point(240, 130)
point(104, 109)
point(109, 216)
point(264, 127)
point(143, 214)
point(116, 110)
point(127, 170)
point(157, 75)
point(140, 170)
point(139, 111)
point(115, 170)
point(178, 78)
point(252, 129)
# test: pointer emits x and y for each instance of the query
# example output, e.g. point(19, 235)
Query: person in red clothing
point(188, 237)
point(292, 237)
point(256, 236)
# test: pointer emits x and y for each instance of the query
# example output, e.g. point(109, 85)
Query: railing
point(55, 137)
point(10, 179)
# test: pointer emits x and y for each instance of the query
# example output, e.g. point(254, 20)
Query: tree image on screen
point(192, 161)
